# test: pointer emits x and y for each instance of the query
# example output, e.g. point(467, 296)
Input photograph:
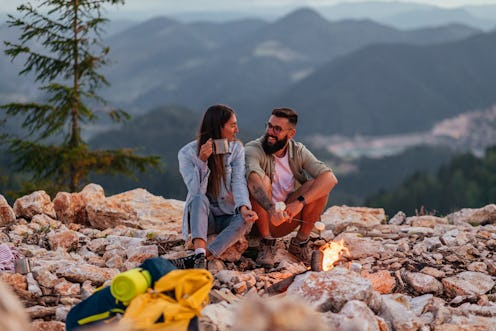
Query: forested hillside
point(466, 182)
point(372, 175)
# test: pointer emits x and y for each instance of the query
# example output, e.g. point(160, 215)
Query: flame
point(332, 253)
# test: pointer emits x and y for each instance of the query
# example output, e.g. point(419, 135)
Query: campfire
point(325, 258)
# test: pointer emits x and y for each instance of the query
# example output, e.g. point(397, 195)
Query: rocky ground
point(403, 273)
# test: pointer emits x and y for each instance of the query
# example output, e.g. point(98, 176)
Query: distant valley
point(468, 132)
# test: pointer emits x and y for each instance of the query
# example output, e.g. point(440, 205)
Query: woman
point(217, 200)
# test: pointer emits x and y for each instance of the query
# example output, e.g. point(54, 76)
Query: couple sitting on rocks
point(230, 188)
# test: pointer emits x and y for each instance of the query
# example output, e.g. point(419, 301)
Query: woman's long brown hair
point(213, 121)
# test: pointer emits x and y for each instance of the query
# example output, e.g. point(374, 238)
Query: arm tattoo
point(261, 196)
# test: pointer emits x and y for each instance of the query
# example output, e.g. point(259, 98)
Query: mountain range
point(345, 77)
point(397, 88)
point(189, 64)
point(402, 15)
point(352, 76)
point(411, 15)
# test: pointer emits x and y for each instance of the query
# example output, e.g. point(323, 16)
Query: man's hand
point(206, 150)
point(293, 209)
point(277, 217)
point(248, 214)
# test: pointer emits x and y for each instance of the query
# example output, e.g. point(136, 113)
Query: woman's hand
point(206, 150)
point(248, 214)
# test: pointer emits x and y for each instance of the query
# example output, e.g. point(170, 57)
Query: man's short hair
point(288, 113)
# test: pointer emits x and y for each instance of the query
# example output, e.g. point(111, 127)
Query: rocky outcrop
point(411, 273)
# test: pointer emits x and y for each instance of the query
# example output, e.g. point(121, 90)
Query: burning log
point(322, 259)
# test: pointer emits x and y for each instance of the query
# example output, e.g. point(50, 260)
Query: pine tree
point(61, 44)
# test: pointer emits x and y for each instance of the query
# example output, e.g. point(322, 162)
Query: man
point(279, 169)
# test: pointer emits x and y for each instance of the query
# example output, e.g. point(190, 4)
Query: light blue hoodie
point(195, 174)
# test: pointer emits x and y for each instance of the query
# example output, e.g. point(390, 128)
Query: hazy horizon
point(140, 9)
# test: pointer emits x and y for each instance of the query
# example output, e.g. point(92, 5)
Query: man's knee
point(322, 201)
point(313, 210)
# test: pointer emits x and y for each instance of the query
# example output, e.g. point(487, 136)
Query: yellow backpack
point(176, 299)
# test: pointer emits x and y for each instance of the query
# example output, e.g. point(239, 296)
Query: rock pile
point(417, 273)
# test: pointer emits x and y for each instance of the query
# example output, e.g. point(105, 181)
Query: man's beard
point(274, 148)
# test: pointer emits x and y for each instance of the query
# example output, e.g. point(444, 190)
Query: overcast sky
point(189, 5)
point(143, 9)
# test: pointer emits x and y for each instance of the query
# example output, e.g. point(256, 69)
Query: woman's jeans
point(202, 222)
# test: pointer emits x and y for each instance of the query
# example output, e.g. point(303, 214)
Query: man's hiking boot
point(266, 253)
point(301, 250)
point(195, 261)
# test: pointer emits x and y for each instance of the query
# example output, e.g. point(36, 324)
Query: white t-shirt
point(283, 182)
